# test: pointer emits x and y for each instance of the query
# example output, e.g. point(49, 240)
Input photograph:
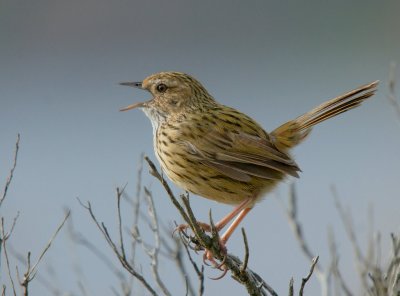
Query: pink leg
point(238, 209)
point(222, 223)
point(208, 255)
point(234, 225)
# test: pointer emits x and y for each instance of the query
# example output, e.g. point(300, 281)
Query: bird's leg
point(227, 234)
point(222, 223)
point(240, 211)
point(208, 255)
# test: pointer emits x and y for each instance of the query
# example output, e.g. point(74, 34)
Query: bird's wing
point(240, 155)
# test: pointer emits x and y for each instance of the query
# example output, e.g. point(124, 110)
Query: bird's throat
point(156, 117)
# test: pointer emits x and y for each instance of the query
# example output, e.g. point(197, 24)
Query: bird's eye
point(161, 87)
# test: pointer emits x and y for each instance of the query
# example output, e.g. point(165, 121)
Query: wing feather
point(240, 156)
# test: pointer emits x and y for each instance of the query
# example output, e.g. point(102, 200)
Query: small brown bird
point(220, 153)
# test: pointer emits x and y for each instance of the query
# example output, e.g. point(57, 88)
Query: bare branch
point(80, 239)
point(334, 268)
point(33, 270)
point(254, 284)
point(393, 270)
point(246, 248)
point(362, 264)
point(291, 289)
point(48, 284)
point(121, 239)
point(11, 175)
point(295, 224)
point(136, 205)
point(154, 172)
point(4, 237)
point(30, 273)
point(122, 259)
point(305, 280)
point(154, 253)
point(392, 97)
point(199, 272)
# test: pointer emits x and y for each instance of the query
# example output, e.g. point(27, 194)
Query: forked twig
point(128, 267)
point(4, 237)
point(31, 272)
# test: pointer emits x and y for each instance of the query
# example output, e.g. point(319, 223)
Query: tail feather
point(295, 131)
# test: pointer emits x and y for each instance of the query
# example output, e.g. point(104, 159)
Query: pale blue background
point(60, 62)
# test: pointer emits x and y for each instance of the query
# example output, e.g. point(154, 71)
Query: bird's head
point(173, 93)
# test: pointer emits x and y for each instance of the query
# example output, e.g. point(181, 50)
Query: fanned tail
point(295, 131)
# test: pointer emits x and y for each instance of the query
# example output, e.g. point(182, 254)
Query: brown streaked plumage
point(220, 153)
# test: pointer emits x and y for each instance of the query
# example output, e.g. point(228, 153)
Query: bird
point(219, 153)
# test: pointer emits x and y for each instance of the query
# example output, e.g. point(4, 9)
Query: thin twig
point(136, 205)
point(154, 172)
point(48, 284)
point(175, 253)
point(199, 272)
point(155, 251)
point(81, 240)
point(31, 272)
point(291, 289)
point(33, 269)
point(246, 249)
point(362, 264)
point(393, 270)
point(110, 242)
point(295, 224)
point(392, 89)
point(121, 238)
point(305, 280)
point(4, 237)
point(11, 174)
point(334, 267)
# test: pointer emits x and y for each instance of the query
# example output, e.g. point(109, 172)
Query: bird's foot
point(182, 227)
point(209, 257)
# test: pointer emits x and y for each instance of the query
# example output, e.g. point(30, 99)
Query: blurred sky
point(60, 64)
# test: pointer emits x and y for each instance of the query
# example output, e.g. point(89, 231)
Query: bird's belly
point(197, 178)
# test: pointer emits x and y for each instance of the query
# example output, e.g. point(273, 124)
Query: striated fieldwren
point(220, 153)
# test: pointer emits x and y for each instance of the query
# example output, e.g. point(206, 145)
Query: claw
point(221, 276)
point(180, 228)
point(183, 227)
point(205, 262)
point(208, 257)
point(219, 266)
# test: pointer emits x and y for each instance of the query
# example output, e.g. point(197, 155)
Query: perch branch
point(254, 284)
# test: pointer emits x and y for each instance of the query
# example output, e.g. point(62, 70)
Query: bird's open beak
point(135, 105)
